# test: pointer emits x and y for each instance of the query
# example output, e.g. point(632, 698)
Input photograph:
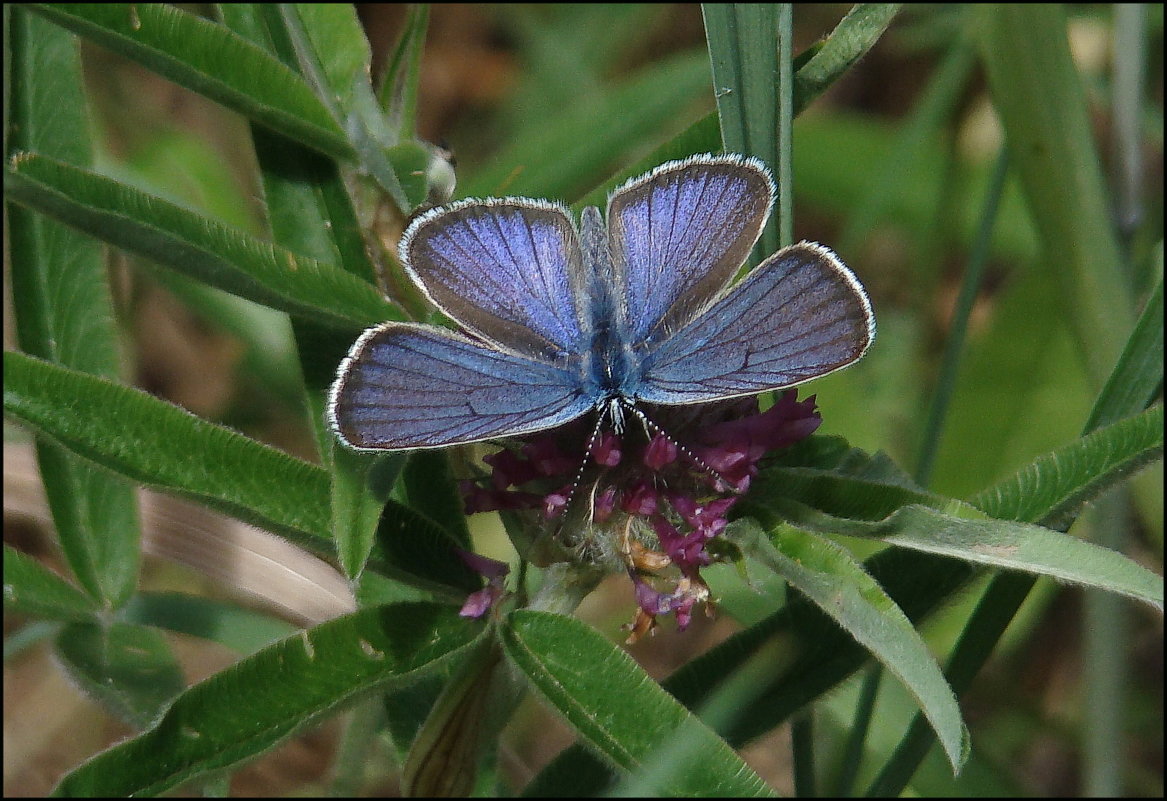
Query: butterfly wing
point(799, 315)
point(507, 269)
point(405, 385)
point(680, 233)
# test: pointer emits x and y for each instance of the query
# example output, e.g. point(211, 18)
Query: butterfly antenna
point(584, 462)
point(654, 429)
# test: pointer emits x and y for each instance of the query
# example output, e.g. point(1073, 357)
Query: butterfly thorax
point(611, 367)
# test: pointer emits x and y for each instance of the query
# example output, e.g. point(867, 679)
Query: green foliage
point(66, 313)
point(862, 560)
point(603, 694)
point(201, 248)
point(287, 686)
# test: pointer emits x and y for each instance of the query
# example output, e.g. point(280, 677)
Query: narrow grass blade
point(211, 60)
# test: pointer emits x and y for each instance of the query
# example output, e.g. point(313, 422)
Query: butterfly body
point(610, 363)
point(616, 312)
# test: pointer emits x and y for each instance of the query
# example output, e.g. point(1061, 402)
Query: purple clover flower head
point(643, 501)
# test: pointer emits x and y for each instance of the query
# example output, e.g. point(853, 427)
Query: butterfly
point(631, 308)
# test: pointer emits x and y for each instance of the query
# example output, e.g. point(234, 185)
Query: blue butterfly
point(560, 320)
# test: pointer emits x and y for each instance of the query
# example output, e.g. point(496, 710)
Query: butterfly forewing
point(411, 386)
point(508, 270)
point(680, 233)
point(799, 315)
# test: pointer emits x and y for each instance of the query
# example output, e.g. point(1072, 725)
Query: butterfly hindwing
point(799, 315)
point(411, 386)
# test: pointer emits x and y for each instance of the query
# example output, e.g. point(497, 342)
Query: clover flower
point(479, 603)
point(649, 502)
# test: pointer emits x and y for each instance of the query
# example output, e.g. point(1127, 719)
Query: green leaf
point(995, 543)
point(419, 168)
point(129, 669)
point(428, 487)
point(308, 207)
point(166, 447)
point(1008, 591)
point(332, 53)
point(409, 544)
point(246, 709)
point(824, 655)
point(407, 708)
point(179, 239)
point(853, 486)
point(242, 630)
point(445, 753)
point(245, 20)
point(1138, 376)
point(357, 504)
point(398, 91)
point(211, 60)
point(339, 46)
point(839, 492)
point(990, 618)
point(743, 50)
point(1053, 488)
point(749, 47)
point(830, 577)
point(855, 34)
point(30, 588)
point(618, 709)
point(1039, 99)
point(64, 310)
